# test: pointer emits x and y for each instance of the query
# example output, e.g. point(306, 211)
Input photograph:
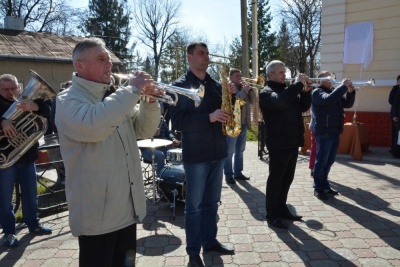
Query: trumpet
point(258, 82)
point(318, 81)
point(360, 84)
point(195, 94)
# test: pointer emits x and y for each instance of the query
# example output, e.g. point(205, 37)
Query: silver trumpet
point(195, 94)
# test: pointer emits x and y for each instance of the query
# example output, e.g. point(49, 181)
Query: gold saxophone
point(233, 126)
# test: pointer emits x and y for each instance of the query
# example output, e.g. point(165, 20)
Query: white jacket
point(98, 143)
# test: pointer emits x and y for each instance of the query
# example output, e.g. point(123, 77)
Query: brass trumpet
point(258, 82)
point(195, 94)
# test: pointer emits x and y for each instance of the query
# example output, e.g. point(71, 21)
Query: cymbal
point(153, 142)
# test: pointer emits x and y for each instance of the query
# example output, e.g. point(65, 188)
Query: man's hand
point(219, 115)
point(27, 105)
point(8, 129)
point(175, 142)
point(232, 88)
point(349, 85)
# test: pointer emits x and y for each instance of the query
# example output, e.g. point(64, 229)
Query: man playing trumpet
point(327, 124)
point(98, 130)
point(282, 108)
point(237, 145)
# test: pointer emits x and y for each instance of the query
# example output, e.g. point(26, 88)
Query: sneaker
point(10, 241)
point(230, 180)
point(330, 191)
point(42, 230)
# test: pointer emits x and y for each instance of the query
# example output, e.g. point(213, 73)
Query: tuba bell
point(30, 126)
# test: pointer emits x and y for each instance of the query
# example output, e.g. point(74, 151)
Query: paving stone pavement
point(360, 227)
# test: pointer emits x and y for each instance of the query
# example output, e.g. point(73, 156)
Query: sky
point(219, 20)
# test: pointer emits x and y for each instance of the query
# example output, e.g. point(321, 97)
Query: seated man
point(163, 132)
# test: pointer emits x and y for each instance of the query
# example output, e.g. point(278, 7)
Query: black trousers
point(282, 166)
point(115, 249)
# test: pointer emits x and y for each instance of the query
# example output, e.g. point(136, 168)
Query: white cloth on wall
point(359, 43)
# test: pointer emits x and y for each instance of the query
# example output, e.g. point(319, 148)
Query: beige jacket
point(250, 99)
point(98, 143)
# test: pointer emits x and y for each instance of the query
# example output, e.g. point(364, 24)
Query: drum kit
point(171, 182)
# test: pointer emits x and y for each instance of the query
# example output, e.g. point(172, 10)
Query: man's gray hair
point(8, 78)
point(84, 45)
point(271, 66)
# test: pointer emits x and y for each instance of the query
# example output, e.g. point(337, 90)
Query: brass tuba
point(30, 126)
point(233, 126)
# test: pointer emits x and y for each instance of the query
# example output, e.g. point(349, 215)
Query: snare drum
point(174, 156)
point(173, 177)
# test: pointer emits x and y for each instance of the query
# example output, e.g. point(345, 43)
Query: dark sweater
point(282, 109)
point(202, 140)
point(327, 109)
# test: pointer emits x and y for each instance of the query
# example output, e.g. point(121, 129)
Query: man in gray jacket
point(98, 128)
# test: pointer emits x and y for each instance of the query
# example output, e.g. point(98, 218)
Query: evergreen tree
point(287, 49)
point(236, 53)
point(267, 48)
point(109, 20)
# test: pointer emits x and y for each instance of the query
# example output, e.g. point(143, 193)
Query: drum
point(174, 156)
point(172, 177)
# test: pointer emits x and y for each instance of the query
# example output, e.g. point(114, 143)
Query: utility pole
point(255, 38)
point(245, 39)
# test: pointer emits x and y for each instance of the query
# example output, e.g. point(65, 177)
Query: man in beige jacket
point(98, 128)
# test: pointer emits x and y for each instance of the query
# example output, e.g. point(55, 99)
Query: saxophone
point(233, 126)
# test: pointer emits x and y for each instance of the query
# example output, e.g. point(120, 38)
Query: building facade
point(371, 104)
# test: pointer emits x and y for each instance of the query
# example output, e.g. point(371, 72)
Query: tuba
point(233, 126)
point(30, 126)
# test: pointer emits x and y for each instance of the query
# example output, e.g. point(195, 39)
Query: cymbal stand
point(153, 167)
point(175, 193)
point(156, 180)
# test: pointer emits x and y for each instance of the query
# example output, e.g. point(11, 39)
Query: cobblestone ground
point(360, 227)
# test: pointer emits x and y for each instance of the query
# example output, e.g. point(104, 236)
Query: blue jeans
point(327, 146)
point(25, 173)
point(203, 193)
point(236, 145)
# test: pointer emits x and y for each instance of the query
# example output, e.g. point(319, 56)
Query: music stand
point(153, 143)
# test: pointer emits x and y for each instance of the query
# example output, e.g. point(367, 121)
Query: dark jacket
point(44, 110)
point(282, 109)
point(202, 140)
point(327, 109)
point(391, 100)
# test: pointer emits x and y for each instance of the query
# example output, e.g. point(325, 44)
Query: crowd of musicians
point(99, 123)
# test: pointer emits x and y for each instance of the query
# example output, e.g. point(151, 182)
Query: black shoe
point(195, 261)
point(221, 249)
point(230, 180)
point(331, 192)
point(242, 177)
point(320, 194)
point(292, 217)
point(277, 223)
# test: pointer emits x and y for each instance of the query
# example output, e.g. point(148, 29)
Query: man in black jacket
point(393, 114)
point(204, 150)
point(327, 125)
point(282, 108)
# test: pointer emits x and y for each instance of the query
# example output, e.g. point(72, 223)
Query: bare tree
point(53, 16)
point(156, 22)
point(304, 21)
